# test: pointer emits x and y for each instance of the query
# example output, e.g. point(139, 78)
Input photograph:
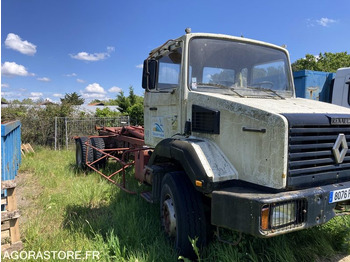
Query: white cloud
point(4, 85)
point(44, 79)
point(71, 75)
point(325, 22)
point(57, 95)
point(93, 96)
point(94, 91)
point(90, 57)
point(49, 99)
point(115, 89)
point(80, 81)
point(110, 49)
point(93, 57)
point(13, 69)
point(95, 88)
point(14, 42)
point(310, 22)
point(140, 66)
point(35, 95)
point(11, 95)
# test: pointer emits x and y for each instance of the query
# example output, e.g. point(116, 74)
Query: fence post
point(65, 122)
point(55, 133)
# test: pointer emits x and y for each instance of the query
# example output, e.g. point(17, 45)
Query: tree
point(136, 114)
point(27, 101)
point(132, 96)
point(106, 112)
point(96, 101)
point(72, 99)
point(123, 102)
point(3, 100)
point(327, 62)
point(131, 105)
point(16, 101)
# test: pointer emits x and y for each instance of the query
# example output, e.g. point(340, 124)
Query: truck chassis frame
point(129, 156)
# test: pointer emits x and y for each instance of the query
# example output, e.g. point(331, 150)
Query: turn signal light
point(199, 183)
point(265, 213)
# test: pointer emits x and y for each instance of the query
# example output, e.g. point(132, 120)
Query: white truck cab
point(231, 137)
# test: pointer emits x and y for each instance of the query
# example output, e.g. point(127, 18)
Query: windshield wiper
point(220, 86)
point(213, 84)
point(266, 90)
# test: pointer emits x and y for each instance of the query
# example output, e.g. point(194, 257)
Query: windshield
point(237, 68)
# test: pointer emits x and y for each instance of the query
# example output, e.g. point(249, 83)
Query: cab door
point(162, 105)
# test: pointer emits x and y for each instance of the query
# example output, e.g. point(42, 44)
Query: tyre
point(99, 143)
point(182, 214)
point(82, 151)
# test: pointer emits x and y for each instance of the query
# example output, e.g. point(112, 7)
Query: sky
point(96, 48)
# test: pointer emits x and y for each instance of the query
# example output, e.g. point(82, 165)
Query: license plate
point(339, 195)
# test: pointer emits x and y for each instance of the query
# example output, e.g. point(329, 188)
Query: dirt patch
point(28, 191)
point(336, 258)
point(345, 259)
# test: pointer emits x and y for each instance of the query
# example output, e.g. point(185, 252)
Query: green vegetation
point(38, 123)
point(106, 112)
point(67, 209)
point(131, 105)
point(327, 62)
point(3, 100)
point(72, 99)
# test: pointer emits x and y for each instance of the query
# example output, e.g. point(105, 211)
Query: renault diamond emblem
point(340, 149)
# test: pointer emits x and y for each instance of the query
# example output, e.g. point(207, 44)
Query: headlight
point(283, 214)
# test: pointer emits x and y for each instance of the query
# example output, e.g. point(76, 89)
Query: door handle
point(153, 108)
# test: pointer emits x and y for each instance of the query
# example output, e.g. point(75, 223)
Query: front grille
point(311, 160)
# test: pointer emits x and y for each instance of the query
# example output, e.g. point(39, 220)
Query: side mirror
point(149, 76)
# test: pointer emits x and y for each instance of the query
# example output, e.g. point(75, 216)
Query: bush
point(106, 112)
point(38, 123)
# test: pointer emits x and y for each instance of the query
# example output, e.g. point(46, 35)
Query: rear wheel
point(99, 143)
point(182, 214)
point(83, 153)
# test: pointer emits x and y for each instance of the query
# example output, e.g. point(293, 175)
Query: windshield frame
point(287, 92)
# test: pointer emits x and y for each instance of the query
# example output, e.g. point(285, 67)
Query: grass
point(67, 209)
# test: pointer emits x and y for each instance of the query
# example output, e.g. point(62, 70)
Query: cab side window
point(169, 71)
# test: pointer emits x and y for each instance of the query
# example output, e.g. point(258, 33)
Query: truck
point(324, 86)
point(226, 145)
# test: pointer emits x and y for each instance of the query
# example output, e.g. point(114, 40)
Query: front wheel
point(182, 214)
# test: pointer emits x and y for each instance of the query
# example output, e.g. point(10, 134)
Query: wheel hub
point(169, 217)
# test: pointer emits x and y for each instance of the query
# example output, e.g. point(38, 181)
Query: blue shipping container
point(314, 85)
point(10, 149)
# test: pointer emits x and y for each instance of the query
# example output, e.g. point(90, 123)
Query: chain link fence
point(67, 127)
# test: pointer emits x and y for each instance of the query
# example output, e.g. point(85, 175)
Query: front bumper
point(240, 208)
